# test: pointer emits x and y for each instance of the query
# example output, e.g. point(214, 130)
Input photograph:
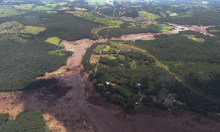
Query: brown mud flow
point(73, 106)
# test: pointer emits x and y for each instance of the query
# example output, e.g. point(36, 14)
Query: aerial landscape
point(109, 66)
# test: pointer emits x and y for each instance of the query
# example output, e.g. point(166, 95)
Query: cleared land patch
point(126, 92)
point(34, 30)
point(192, 37)
point(143, 15)
point(53, 40)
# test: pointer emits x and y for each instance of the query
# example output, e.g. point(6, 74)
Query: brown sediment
point(133, 37)
point(177, 120)
point(178, 28)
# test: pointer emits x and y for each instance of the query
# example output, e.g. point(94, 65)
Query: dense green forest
point(125, 69)
point(22, 63)
point(200, 18)
point(196, 62)
point(24, 56)
point(26, 121)
point(61, 24)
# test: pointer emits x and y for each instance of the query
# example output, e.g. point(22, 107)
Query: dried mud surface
point(152, 120)
point(133, 37)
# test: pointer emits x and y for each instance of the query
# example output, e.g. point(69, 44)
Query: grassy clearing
point(53, 40)
point(164, 27)
point(146, 16)
point(126, 92)
point(192, 37)
point(34, 30)
point(173, 14)
point(51, 11)
point(54, 4)
point(111, 57)
point(9, 24)
point(205, 2)
point(98, 48)
point(106, 21)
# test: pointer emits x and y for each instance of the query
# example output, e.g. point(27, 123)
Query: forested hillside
point(125, 76)
point(196, 62)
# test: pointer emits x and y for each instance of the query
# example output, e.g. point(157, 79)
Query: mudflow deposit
point(72, 105)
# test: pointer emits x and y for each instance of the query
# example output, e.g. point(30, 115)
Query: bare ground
point(133, 37)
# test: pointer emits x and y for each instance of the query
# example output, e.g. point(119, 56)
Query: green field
point(105, 21)
point(34, 30)
point(51, 11)
point(126, 92)
point(143, 15)
point(53, 40)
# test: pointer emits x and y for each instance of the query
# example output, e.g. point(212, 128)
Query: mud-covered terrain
point(73, 105)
